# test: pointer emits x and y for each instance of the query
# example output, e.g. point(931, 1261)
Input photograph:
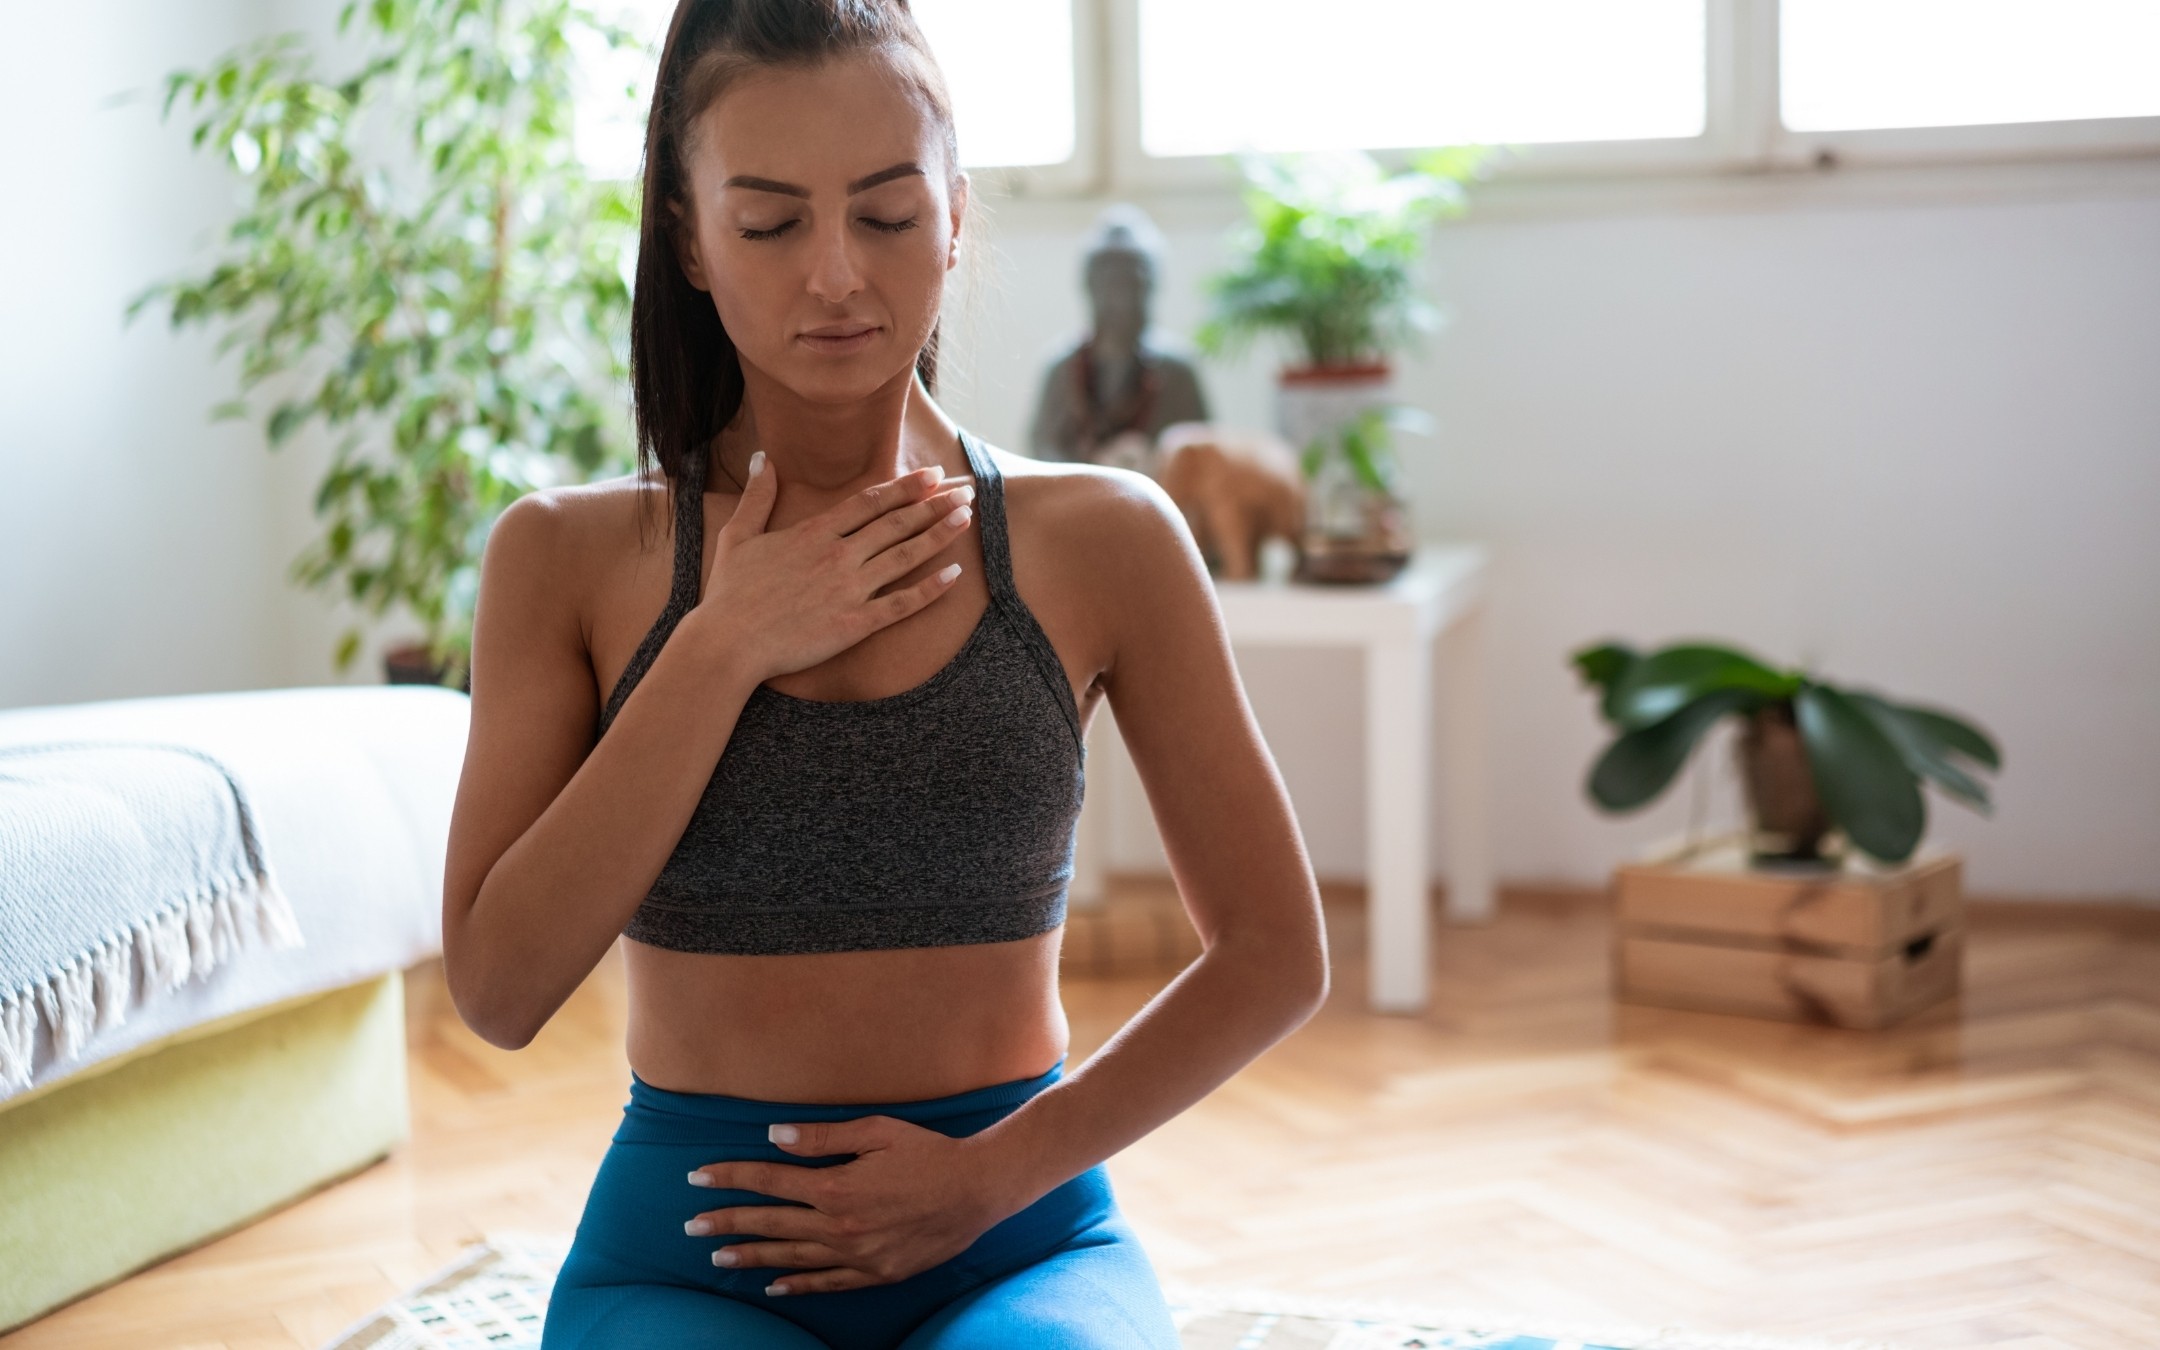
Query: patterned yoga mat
point(494, 1297)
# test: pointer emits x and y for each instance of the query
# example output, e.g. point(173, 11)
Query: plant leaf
point(1601, 667)
point(1950, 733)
point(1661, 683)
point(1865, 786)
point(1921, 754)
point(1636, 767)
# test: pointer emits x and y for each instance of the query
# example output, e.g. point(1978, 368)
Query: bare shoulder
point(564, 546)
point(1114, 521)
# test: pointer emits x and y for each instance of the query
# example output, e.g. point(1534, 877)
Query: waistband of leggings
point(749, 1110)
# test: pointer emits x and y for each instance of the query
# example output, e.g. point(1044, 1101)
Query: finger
point(772, 1221)
point(890, 608)
point(784, 1181)
point(851, 514)
point(904, 523)
point(823, 1138)
point(824, 1281)
point(759, 491)
point(904, 557)
point(788, 1255)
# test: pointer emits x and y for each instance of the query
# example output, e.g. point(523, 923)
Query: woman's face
point(822, 220)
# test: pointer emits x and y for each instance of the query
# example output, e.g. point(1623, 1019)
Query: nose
point(835, 271)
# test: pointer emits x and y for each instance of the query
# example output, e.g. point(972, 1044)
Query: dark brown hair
point(685, 376)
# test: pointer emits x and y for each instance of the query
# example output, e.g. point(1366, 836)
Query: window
point(1113, 96)
point(1009, 65)
point(1852, 64)
point(1218, 75)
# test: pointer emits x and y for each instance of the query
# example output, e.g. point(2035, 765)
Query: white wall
point(133, 551)
point(1914, 445)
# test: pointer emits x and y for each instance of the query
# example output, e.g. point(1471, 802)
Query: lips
point(840, 339)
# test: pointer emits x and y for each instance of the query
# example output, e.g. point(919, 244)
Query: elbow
point(495, 1020)
point(489, 1006)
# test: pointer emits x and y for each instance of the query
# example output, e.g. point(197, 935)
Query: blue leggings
point(1066, 1271)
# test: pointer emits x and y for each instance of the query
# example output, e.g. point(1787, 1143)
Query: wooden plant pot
point(408, 663)
point(1859, 946)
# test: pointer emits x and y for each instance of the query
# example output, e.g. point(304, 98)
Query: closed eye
point(888, 226)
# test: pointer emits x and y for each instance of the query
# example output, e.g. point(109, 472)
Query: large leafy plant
point(1868, 755)
point(1329, 256)
point(424, 268)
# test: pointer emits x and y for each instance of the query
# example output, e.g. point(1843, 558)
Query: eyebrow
point(791, 190)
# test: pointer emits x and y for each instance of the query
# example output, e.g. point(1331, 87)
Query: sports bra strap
point(683, 590)
point(1004, 593)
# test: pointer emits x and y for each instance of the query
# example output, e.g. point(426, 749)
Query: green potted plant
point(1328, 260)
point(424, 268)
point(1816, 759)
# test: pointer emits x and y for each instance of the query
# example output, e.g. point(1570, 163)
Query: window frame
point(1743, 137)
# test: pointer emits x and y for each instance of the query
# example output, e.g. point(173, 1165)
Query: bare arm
point(554, 841)
point(1234, 849)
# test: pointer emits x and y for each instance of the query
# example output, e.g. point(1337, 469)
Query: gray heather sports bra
point(937, 816)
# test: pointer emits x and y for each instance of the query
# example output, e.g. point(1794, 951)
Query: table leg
point(1398, 740)
point(1463, 782)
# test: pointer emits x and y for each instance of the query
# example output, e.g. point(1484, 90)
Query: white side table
point(1433, 608)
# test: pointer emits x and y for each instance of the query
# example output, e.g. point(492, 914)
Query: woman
point(827, 796)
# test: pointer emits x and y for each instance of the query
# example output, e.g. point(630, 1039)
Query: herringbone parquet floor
point(1986, 1175)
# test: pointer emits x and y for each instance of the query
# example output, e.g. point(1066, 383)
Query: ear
point(959, 213)
point(682, 233)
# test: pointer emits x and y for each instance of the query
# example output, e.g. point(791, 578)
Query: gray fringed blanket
point(126, 868)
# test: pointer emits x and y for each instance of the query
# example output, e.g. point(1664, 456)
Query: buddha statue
point(1108, 398)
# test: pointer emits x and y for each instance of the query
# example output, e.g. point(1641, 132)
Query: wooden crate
point(1862, 947)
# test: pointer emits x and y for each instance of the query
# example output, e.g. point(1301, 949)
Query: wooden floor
point(1989, 1175)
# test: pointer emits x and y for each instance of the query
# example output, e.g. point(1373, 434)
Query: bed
point(281, 1070)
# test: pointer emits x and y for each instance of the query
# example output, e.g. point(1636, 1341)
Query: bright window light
point(1008, 64)
point(1850, 64)
point(614, 87)
point(1280, 75)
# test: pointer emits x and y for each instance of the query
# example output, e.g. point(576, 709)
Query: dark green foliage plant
point(1329, 255)
point(424, 268)
point(1868, 755)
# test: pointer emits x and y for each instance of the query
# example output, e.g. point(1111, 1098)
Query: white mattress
point(351, 787)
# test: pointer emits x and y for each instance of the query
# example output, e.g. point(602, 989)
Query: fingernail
point(948, 572)
point(698, 1228)
point(958, 517)
point(700, 1179)
point(725, 1257)
point(783, 1134)
point(757, 463)
point(966, 493)
point(775, 1288)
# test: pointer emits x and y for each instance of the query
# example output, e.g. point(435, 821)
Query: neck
point(1114, 348)
point(833, 449)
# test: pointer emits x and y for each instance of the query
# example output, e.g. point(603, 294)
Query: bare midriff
point(897, 1025)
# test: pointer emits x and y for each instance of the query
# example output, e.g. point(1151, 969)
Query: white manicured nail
point(700, 1179)
point(958, 517)
point(948, 572)
point(698, 1228)
point(757, 463)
